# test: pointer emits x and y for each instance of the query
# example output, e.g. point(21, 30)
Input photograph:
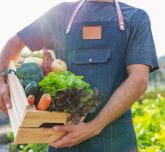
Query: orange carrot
point(44, 102)
point(31, 99)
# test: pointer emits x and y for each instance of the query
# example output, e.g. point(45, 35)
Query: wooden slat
point(13, 113)
point(35, 118)
point(18, 93)
point(21, 99)
point(14, 94)
point(14, 118)
point(37, 135)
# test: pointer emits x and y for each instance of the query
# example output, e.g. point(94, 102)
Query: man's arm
point(120, 102)
point(10, 52)
point(124, 96)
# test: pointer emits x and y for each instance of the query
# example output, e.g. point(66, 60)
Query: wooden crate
point(26, 120)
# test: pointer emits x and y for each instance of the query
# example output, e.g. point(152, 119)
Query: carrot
point(44, 102)
point(31, 99)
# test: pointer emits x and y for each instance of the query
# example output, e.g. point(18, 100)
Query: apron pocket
point(94, 65)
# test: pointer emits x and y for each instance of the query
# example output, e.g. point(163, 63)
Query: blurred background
point(148, 111)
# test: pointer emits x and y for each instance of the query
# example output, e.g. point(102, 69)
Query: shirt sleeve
point(44, 32)
point(141, 47)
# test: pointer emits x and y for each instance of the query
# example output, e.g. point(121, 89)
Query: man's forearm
point(10, 52)
point(122, 99)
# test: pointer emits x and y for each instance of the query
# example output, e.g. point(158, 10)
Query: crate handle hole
point(49, 125)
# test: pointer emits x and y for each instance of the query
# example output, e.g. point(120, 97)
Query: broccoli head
point(29, 72)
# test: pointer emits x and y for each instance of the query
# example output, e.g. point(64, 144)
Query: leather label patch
point(92, 32)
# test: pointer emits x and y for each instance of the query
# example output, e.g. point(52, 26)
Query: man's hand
point(75, 134)
point(4, 97)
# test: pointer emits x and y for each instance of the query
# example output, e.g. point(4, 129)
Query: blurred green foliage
point(152, 95)
point(29, 148)
point(149, 122)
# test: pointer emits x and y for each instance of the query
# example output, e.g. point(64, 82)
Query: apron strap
point(71, 20)
point(120, 16)
point(81, 3)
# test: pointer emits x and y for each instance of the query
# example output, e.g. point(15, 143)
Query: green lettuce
point(57, 82)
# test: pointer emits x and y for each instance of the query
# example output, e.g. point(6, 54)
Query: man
point(111, 44)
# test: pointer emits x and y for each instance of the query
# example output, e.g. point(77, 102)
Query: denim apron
point(97, 60)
